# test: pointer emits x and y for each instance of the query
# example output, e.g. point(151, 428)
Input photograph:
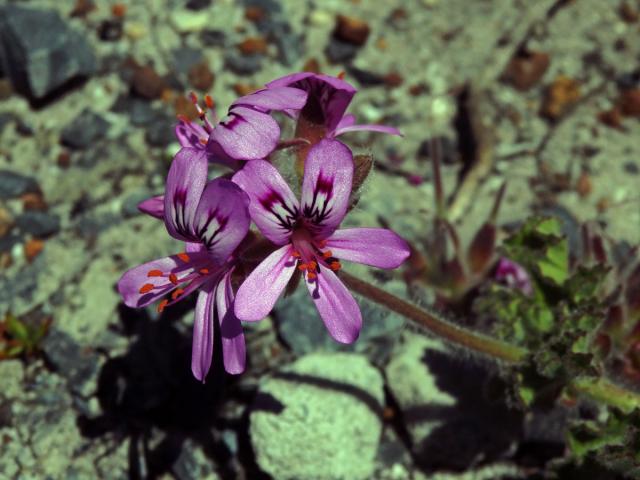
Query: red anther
point(204, 271)
point(184, 257)
point(182, 118)
point(335, 266)
point(193, 97)
point(162, 305)
point(322, 243)
point(313, 265)
point(302, 267)
point(173, 278)
point(327, 254)
point(296, 254)
point(209, 101)
point(311, 276)
point(146, 288)
point(341, 75)
point(154, 273)
point(203, 141)
point(176, 293)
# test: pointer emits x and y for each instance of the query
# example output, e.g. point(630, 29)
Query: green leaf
point(554, 265)
point(17, 329)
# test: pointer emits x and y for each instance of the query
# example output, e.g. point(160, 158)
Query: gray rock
point(302, 329)
point(78, 365)
point(338, 51)
point(13, 184)
point(38, 224)
point(319, 418)
point(213, 38)
point(243, 64)
point(40, 52)
point(84, 130)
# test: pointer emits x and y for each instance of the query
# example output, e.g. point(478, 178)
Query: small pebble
point(135, 30)
point(201, 77)
point(252, 46)
point(526, 69)
point(147, 83)
point(351, 30)
point(188, 21)
point(629, 102)
point(32, 249)
point(560, 96)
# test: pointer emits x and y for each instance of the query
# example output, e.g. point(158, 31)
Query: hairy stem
point(453, 333)
point(605, 391)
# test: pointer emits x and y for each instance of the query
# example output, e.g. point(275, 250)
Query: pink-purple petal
point(328, 176)
point(337, 307)
point(272, 207)
point(278, 98)
point(222, 218)
point(366, 128)
point(190, 134)
point(153, 206)
point(261, 289)
point(185, 182)
point(377, 247)
point(233, 346)
point(203, 333)
point(246, 134)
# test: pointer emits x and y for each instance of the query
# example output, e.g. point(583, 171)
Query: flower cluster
point(213, 217)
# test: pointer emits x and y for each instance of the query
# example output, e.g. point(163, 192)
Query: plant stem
point(438, 326)
point(605, 391)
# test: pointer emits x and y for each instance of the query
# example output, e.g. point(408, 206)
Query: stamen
point(313, 265)
point(311, 276)
point(341, 75)
point(173, 278)
point(204, 271)
point(203, 141)
point(183, 118)
point(146, 288)
point(302, 267)
point(193, 97)
point(209, 101)
point(327, 254)
point(296, 254)
point(322, 243)
point(176, 293)
point(155, 273)
point(184, 257)
point(162, 305)
point(335, 266)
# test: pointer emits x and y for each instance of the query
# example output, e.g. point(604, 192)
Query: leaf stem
point(442, 328)
point(605, 391)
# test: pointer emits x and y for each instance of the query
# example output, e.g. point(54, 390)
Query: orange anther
point(209, 101)
point(183, 118)
point(184, 257)
point(302, 267)
point(203, 141)
point(335, 266)
point(154, 273)
point(193, 97)
point(313, 265)
point(327, 254)
point(311, 276)
point(296, 254)
point(146, 288)
point(173, 278)
point(341, 75)
point(176, 293)
point(204, 271)
point(322, 243)
point(162, 305)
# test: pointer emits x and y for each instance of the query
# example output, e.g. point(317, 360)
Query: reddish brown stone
point(254, 14)
point(82, 8)
point(393, 79)
point(32, 249)
point(560, 96)
point(6, 221)
point(34, 201)
point(629, 102)
point(185, 107)
point(628, 13)
point(418, 89)
point(200, 77)
point(611, 118)
point(147, 83)
point(351, 30)
point(64, 159)
point(584, 185)
point(118, 10)
point(253, 45)
point(311, 65)
point(525, 70)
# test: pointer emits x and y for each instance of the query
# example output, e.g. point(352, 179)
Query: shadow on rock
point(477, 429)
point(150, 399)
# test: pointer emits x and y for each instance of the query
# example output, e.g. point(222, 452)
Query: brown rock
point(351, 30)
point(64, 159)
point(560, 96)
point(254, 14)
point(6, 221)
point(34, 201)
point(526, 69)
point(185, 107)
point(118, 10)
point(82, 8)
point(584, 185)
point(253, 45)
point(393, 79)
point(418, 89)
point(147, 83)
point(628, 13)
point(611, 118)
point(629, 102)
point(32, 249)
point(200, 77)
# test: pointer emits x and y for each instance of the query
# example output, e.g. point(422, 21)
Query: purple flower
point(307, 234)
point(212, 218)
point(514, 275)
point(327, 102)
point(247, 133)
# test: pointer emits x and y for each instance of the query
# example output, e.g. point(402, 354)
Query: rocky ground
point(544, 95)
